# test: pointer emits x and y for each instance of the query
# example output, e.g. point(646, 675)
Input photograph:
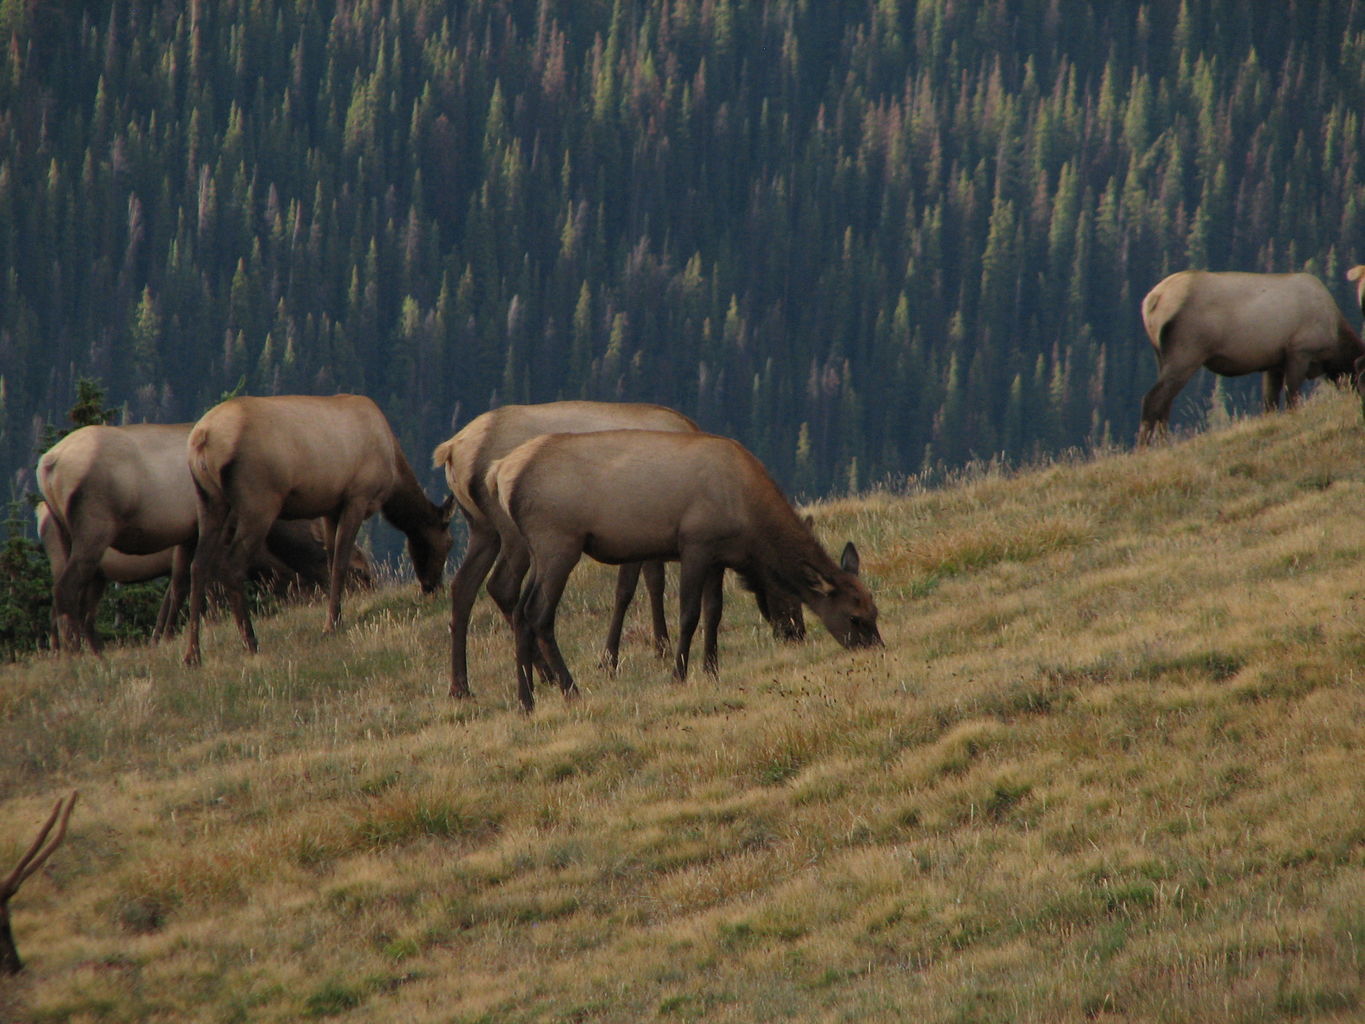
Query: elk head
point(843, 602)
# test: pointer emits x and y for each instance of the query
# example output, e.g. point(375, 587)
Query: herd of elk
point(540, 485)
point(215, 501)
point(280, 486)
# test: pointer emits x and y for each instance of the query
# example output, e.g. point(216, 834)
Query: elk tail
point(458, 458)
point(205, 479)
point(1156, 328)
point(209, 481)
point(497, 504)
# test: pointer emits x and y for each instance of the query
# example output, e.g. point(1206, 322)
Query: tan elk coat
point(1286, 326)
point(702, 500)
point(299, 457)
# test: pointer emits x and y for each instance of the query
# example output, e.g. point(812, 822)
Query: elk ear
point(448, 510)
point(816, 581)
point(809, 520)
point(849, 560)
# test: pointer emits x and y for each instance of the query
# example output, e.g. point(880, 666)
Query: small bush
point(402, 819)
point(145, 914)
point(334, 997)
point(25, 589)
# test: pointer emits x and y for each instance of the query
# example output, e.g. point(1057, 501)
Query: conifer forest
point(868, 239)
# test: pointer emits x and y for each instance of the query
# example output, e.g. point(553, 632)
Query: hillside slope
point(1106, 766)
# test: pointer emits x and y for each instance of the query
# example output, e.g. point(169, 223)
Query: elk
point(465, 459)
point(1285, 326)
point(254, 460)
point(628, 496)
point(122, 488)
point(35, 857)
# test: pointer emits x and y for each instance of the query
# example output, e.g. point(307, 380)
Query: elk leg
point(627, 578)
point(86, 542)
point(208, 552)
point(551, 574)
point(348, 525)
point(464, 588)
point(533, 608)
point(329, 534)
point(505, 584)
point(236, 560)
point(1295, 373)
point(654, 587)
point(712, 600)
point(58, 545)
point(1156, 404)
point(175, 592)
point(526, 643)
point(1272, 383)
point(691, 581)
point(163, 616)
point(69, 590)
point(90, 602)
point(505, 581)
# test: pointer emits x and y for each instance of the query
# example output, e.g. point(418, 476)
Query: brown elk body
point(465, 459)
point(254, 460)
point(1285, 326)
point(122, 488)
point(698, 499)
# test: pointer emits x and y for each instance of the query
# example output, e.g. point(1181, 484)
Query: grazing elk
point(35, 857)
point(1286, 326)
point(254, 460)
point(628, 496)
point(125, 488)
point(488, 437)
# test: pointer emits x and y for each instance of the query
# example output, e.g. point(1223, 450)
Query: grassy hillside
point(1107, 766)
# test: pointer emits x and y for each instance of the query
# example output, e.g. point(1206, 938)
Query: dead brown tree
point(28, 865)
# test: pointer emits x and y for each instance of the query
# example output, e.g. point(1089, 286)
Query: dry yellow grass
point(1107, 767)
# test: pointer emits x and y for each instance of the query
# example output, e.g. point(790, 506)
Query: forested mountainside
point(863, 238)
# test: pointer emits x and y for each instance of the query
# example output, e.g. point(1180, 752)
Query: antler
point(38, 853)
